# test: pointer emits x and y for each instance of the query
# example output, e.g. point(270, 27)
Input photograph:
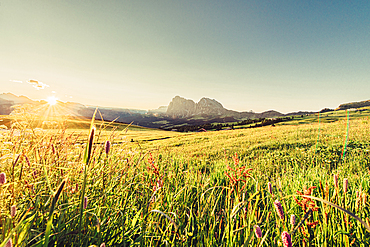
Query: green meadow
point(65, 186)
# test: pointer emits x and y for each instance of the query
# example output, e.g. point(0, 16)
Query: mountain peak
point(209, 102)
point(15, 99)
point(181, 107)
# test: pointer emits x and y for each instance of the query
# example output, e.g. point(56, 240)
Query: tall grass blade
point(165, 215)
point(86, 160)
point(342, 209)
point(89, 143)
point(305, 217)
point(318, 134)
point(15, 229)
point(51, 212)
point(264, 238)
point(346, 139)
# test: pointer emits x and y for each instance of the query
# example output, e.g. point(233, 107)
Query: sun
point(52, 100)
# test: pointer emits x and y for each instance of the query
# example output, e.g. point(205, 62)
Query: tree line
point(253, 123)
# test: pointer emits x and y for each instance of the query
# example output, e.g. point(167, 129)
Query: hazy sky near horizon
point(249, 55)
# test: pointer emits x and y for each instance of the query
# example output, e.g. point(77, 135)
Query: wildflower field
point(299, 184)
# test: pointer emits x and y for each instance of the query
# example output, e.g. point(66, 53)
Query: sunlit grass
point(158, 188)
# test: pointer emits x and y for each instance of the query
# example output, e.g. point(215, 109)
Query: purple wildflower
point(345, 185)
point(269, 186)
point(2, 178)
point(257, 231)
point(9, 243)
point(292, 220)
point(279, 209)
point(335, 178)
point(287, 241)
point(85, 202)
point(13, 211)
point(107, 147)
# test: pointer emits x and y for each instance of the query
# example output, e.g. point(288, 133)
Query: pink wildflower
point(287, 241)
point(9, 243)
point(345, 185)
point(2, 178)
point(279, 209)
point(107, 147)
point(292, 220)
point(269, 186)
point(335, 178)
point(85, 202)
point(257, 231)
point(13, 211)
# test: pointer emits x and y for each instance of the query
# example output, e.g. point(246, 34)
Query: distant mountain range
point(179, 112)
point(352, 105)
point(186, 108)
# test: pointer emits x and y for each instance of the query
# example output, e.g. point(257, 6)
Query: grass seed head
point(85, 202)
point(287, 241)
point(257, 231)
point(335, 178)
point(292, 219)
point(345, 185)
point(107, 147)
point(91, 142)
point(9, 243)
point(13, 211)
point(269, 187)
point(279, 209)
point(2, 178)
point(28, 161)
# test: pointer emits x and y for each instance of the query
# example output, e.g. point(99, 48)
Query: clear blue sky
point(248, 55)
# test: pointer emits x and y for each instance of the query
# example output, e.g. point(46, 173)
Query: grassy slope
point(195, 192)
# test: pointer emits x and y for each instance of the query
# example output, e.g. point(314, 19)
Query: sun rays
point(48, 114)
point(52, 100)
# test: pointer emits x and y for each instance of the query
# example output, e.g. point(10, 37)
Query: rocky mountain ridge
point(184, 108)
point(180, 111)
